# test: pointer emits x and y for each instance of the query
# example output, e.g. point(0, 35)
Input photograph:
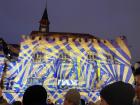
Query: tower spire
point(44, 22)
point(46, 5)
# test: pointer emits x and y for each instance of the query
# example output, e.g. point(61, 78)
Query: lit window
point(91, 56)
point(38, 57)
point(109, 58)
point(65, 58)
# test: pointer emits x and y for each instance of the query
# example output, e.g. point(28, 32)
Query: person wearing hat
point(35, 95)
point(72, 97)
point(117, 93)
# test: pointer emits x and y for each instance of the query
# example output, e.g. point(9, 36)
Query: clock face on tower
point(43, 29)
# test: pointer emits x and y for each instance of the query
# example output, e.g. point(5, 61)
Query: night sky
point(102, 18)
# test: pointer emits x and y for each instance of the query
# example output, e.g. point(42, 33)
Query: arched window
point(38, 56)
point(109, 58)
point(65, 57)
point(90, 56)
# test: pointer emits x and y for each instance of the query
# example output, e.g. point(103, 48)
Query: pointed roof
point(45, 20)
point(45, 14)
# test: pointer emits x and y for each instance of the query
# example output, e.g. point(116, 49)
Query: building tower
point(44, 22)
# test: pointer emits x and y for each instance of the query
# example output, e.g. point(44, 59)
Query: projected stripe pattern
point(89, 62)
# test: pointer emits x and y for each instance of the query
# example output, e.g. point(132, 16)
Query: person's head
point(17, 103)
point(137, 76)
point(91, 103)
point(118, 93)
point(49, 101)
point(83, 102)
point(72, 97)
point(35, 95)
point(137, 81)
point(96, 103)
point(137, 65)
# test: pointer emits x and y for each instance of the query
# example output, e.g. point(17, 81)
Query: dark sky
point(103, 18)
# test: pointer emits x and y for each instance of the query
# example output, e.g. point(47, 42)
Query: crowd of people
point(117, 93)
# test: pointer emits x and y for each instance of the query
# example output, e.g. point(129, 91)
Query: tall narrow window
point(109, 59)
point(90, 56)
point(65, 58)
point(38, 57)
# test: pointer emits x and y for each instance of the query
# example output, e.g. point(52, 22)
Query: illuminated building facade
point(60, 61)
